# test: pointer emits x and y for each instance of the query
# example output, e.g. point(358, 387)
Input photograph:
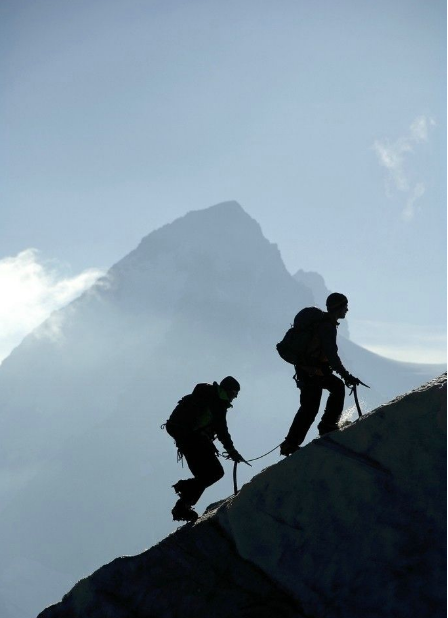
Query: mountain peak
point(227, 221)
point(221, 245)
point(229, 207)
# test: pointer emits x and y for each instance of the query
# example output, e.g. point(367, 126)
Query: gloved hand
point(236, 457)
point(351, 381)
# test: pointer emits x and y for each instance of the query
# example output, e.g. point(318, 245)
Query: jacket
point(204, 411)
point(324, 350)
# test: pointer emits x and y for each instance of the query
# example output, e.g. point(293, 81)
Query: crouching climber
point(197, 420)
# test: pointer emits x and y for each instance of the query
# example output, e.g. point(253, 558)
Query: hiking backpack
point(294, 348)
point(189, 411)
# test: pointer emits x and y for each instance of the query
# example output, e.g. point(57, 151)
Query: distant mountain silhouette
point(85, 470)
point(351, 525)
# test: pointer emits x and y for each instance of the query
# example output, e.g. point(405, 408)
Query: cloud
point(420, 129)
point(392, 156)
point(409, 210)
point(32, 288)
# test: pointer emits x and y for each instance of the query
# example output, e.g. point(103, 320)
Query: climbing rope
point(261, 456)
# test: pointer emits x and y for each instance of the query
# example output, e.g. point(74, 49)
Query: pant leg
point(310, 396)
point(335, 401)
point(203, 462)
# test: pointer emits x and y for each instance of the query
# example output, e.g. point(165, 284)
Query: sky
point(325, 120)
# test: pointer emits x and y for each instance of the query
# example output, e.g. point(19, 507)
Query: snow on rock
point(350, 526)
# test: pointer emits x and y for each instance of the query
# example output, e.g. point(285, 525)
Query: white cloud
point(31, 290)
point(392, 156)
point(401, 341)
point(420, 128)
point(409, 210)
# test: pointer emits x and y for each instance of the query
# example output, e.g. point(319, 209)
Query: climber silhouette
point(196, 421)
point(315, 373)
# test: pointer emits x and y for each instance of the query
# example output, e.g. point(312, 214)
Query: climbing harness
point(180, 456)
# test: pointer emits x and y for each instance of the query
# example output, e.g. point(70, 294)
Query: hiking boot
point(180, 487)
point(324, 428)
point(288, 448)
point(183, 512)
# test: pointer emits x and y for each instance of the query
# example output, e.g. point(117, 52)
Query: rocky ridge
point(351, 525)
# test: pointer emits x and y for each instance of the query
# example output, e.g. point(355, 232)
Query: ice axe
point(355, 394)
point(235, 466)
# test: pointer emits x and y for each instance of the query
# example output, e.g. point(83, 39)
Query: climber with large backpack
point(310, 345)
point(194, 424)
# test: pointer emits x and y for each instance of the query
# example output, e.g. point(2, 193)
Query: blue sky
point(325, 120)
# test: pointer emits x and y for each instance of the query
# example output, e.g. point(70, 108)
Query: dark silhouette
point(314, 373)
point(196, 421)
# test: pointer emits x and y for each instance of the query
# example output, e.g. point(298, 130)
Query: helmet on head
point(336, 300)
point(230, 384)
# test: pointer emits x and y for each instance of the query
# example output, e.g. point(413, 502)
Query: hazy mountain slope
point(94, 383)
point(351, 525)
point(82, 455)
point(193, 289)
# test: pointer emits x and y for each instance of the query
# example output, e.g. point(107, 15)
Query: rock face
point(350, 526)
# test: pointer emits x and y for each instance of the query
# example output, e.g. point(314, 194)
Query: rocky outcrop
point(351, 526)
